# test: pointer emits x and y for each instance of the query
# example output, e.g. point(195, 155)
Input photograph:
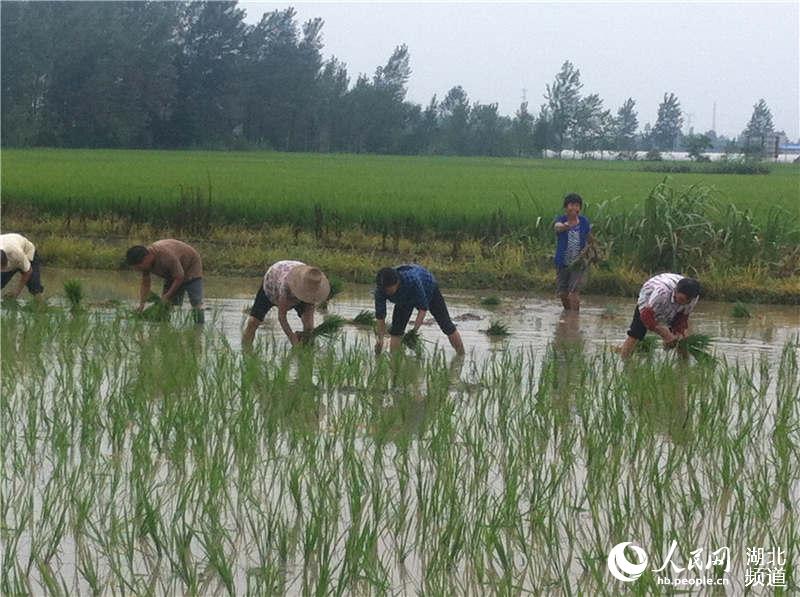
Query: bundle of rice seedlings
point(490, 301)
point(364, 318)
point(697, 345)
point(155, 312)
point(412, 340)
point(497, 329)
point(740, 311)
point(74, 291)
point(329, 327)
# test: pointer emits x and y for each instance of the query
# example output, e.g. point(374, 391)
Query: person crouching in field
point(181, 267)
point(664, 305)
point(410, 286)
point(18, 255)
point(289, 285)
point(573, 235)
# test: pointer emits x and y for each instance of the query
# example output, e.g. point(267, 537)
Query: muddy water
point(534, 320)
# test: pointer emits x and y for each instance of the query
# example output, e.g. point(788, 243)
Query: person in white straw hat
point(289, 285)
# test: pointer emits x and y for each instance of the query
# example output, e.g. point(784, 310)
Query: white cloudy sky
point(730, 52)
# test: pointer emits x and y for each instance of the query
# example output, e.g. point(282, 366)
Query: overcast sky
point(731, 53)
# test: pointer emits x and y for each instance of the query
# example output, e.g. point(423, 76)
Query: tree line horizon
point(156, 75)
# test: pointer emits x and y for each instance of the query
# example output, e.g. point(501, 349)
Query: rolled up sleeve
point(380, 305)
point(18, 260)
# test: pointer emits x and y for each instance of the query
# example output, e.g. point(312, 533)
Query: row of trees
point(160, 74)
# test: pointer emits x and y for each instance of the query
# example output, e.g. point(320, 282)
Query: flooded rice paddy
point(534, 320)
point(148, 458)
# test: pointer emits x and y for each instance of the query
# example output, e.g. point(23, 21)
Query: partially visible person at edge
point(181, 267)
point(18, 256)
point(408, 287)
point(664, 305)
point(288, 285)
point(573, 235)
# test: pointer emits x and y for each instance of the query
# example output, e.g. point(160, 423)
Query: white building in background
point(788, 153)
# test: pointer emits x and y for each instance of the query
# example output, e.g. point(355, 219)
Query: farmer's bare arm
point(421, 313)
point(561, 227)
point(249, 332)
point(380, 330)
point(308, 318)
point(283, 309)
point(176, 283)
point(648, 318)
point(23, 281)
point(144, 290)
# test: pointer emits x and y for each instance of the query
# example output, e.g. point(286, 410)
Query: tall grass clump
point(740, 311)
point(497, 329)
point(490, 301)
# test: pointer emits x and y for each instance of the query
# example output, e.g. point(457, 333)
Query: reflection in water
point(568, 357)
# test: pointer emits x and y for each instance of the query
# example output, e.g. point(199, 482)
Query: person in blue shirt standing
point(573, 235)
point(408, 287)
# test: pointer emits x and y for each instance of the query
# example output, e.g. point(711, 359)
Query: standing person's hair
point(387, 277)
point(573, 198)
point(3, 258)
point(135, 255)
point(688, 286)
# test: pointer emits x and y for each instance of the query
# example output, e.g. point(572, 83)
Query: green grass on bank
point(372, 191)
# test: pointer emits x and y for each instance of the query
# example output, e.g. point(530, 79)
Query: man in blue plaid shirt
point(408, 287)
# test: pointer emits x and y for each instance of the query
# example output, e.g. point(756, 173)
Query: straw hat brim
point(308, 284)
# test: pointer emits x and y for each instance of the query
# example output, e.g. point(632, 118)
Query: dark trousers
point(262, 305)
point(438, 308)
point(34, 283)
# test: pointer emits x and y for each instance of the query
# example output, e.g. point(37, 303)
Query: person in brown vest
point(181, 267)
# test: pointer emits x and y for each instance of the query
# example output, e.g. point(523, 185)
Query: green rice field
point(146, 458)
point(438, 193)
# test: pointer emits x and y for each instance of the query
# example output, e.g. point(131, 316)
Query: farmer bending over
point(18, 255)
point(289, 285)
point(181, 267)
point(409, 286)
point(665, 302)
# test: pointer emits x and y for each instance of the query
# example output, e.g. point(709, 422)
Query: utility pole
point(714, 119)
point(524, 95)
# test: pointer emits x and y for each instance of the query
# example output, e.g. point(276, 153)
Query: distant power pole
point(714, 118)
point(524, 95)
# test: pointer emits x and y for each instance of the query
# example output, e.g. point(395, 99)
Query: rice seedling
point(697, 346)
point(490, 301)
point(364, 318)
point(73, 289)
point(158, 311)
point(175, 464)
point(330, 326)
point(647, 345)
point(740, 311)
point(413, 340)
point(497, 329)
